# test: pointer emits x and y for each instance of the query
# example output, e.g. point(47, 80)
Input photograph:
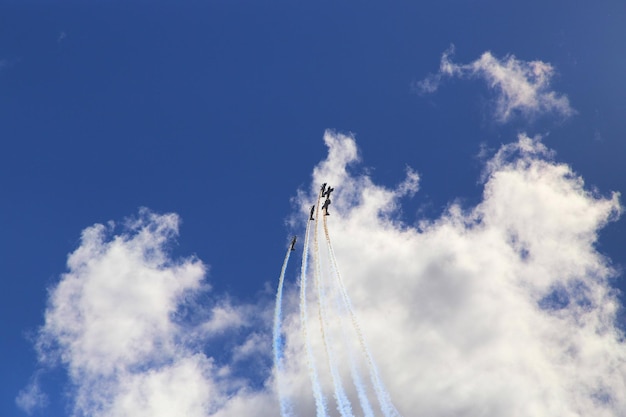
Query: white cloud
point(112, 321)
point(254, 345)
point(31, 398)
point(224, 316)
point(499, 309)
point(521, 87)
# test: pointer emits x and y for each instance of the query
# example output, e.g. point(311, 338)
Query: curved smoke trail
point(386, 405)
point(343, 404)
point(360, 389)
point(364, 402)
point(320, 402)
point(278, 345)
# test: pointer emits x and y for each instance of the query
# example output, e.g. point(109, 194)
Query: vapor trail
point(320, 402)
point(278, 345)
point(354, 371)
point(360, 389)
point(386, 405)
point(343, 403)
point(364, 402)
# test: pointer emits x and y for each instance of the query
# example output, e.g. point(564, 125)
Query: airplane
point(325, 206)
point(323, 190)
point(293, 242)
point(312, 210)
point(328, 191)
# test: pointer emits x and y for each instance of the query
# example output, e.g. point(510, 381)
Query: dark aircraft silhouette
point(293, 242)
point(328, 191)
point(323, 190)
point(325, 207)
point(312, 210)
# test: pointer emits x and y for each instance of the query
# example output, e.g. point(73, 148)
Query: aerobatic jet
point(328, 191)
point(323, 190)
point(325, 206)
point(293, 242)
point(312, 211)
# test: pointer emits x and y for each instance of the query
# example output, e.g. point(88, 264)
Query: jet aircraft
point(328, 191)
point(325, 206)
point(312, 210)
point(293, 242)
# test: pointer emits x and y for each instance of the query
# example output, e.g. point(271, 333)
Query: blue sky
point(217, 111)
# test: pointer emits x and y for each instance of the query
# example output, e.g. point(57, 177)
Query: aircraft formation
point(338, 330)
point(324, 192)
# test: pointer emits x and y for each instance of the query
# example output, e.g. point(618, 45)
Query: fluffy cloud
point(521, 87)
point(31, 398)
point(500, 309)
point(114, 322)
point(504, 308)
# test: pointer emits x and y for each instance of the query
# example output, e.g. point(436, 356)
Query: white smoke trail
point(386, 405)
point(320, 402)
point(343, 403)
point(360, 389)
point(285, 405)
point(364, 402)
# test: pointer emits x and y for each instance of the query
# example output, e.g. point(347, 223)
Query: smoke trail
point(364, 402)
point(360, 389)
point(320, 402)
point(343, 404)
point(285, 405)
point(386, 405)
